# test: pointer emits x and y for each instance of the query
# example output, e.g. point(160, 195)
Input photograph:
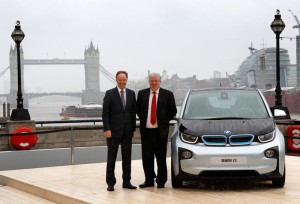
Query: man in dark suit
point(119, 123)
point(155, 108)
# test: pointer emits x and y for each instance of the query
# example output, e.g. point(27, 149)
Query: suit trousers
point(154, 146)
point(112, 151)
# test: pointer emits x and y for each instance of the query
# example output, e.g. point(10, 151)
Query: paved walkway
point(85, 183)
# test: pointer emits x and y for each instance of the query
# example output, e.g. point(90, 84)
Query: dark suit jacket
point(115, 117)
point(165, 111)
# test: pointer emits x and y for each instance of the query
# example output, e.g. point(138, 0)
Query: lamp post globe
point(18, 35)
point(277, 25)
point(19, 113)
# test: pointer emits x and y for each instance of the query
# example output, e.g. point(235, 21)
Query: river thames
point(48, 108)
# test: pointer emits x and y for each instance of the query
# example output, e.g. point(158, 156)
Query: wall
point(86, 137)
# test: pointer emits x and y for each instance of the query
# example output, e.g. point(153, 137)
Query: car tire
point(279, 182)
point(176, 183)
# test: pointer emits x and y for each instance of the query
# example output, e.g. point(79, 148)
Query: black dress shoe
point(110, 188)
point(160, 185)
point(146, 184)
point(129, 186)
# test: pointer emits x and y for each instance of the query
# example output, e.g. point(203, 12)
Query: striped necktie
point(123, 99)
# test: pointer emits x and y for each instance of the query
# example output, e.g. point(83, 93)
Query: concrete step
point(13, 195)
point(20, 191)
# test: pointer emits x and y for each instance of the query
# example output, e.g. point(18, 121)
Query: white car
point(227, 133)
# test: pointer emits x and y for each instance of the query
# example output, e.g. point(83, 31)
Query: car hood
point(217, 127)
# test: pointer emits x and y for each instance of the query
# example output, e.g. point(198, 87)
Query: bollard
point(8, 110)
point(72, 146)
point(4, 110)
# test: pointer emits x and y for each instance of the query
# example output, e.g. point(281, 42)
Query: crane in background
point(297, 21)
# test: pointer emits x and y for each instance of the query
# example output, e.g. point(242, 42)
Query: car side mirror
point(278, 113)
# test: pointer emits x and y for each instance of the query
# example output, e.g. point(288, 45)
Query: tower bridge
point(92, 68)
point(36, 95)
point(54, 61)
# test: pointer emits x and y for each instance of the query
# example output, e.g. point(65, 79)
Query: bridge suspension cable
point(4, 71)
point(107, 74)
point(104, 71)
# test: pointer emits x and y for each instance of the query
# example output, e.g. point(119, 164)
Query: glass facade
point(262, 63)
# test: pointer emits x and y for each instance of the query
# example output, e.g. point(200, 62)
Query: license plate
point(228, 160)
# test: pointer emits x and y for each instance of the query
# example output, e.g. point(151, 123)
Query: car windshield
point(221, 104)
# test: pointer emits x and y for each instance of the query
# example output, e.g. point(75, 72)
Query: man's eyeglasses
point(154, 81)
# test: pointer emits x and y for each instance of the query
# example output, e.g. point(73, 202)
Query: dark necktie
point(123, 99)
point(153, 109)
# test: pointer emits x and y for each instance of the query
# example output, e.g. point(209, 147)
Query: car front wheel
point(176, 183)
point(279, 182)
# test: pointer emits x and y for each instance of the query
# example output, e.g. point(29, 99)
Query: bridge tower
point(92, 79)
point(13, 61)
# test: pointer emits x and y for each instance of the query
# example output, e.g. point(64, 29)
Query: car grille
point(222, 140)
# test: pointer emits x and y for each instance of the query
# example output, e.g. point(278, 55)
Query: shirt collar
point(121, 89)
point(157, 91)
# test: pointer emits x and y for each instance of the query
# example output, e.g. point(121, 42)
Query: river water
point(47, 108)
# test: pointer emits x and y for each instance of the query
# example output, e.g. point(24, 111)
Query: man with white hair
point(155, 108)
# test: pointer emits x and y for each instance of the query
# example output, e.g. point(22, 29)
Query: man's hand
point(107, 134)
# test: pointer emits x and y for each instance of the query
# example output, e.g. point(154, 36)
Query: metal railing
point(72, 130)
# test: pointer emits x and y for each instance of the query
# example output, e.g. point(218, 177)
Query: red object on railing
point(294, 137)
point(23, 142)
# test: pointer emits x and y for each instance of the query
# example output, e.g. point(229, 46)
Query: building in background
point(259, 70)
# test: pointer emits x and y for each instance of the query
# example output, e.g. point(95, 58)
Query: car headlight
point(191, 139)
point(266, 137)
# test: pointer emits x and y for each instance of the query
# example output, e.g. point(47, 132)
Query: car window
point(220, 104)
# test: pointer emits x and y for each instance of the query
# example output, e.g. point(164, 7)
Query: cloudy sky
point(185, 37)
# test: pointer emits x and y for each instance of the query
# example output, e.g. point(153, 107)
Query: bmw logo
point(227, 132)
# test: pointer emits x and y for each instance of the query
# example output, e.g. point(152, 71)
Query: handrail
point(67, 121)
point(61, 121)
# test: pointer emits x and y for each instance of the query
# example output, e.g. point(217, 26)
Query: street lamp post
point(19, 113)
point(278, 26)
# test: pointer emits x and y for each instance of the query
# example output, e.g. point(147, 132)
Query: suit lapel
point(127, 98)
point(118, 97)
point(160, 97)
point(147, 96)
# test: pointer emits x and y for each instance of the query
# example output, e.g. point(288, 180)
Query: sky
point(184, 37)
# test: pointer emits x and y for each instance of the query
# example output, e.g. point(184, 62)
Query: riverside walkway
point(85, 183)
